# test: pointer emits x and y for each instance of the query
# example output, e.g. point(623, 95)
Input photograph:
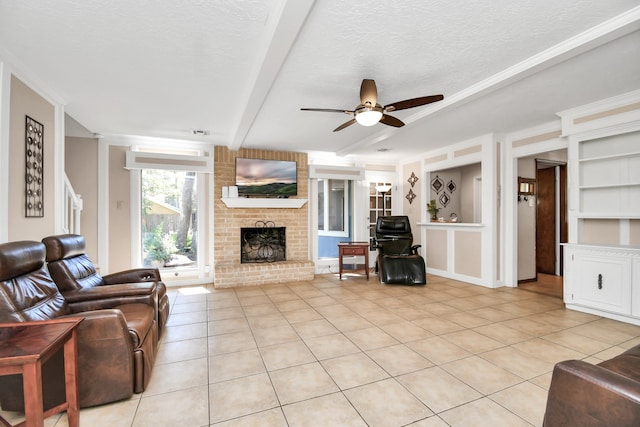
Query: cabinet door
point(602, 282)
point(635, 287)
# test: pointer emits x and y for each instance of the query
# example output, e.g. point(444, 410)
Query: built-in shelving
point(609, 177)
point(262, 203)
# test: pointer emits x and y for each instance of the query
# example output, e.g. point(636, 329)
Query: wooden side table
point(25, 347)
point(353, 249)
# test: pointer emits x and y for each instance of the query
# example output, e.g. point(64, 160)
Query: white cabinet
point(603, 280)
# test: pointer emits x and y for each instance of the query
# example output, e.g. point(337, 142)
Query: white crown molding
point(36, 84)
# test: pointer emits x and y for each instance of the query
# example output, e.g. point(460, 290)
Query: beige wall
point(413, 210)
point(467, 174)
point(447, 175)
point(119, 208)
point(468, 246)
point(634, 237)
point(436, 250)
point(81, 166)
point(26, 102)
point(526, 224)
point(600, 232)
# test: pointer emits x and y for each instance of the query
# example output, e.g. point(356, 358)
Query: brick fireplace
point(228, 221)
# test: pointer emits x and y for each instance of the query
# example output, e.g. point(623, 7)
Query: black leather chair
point(398, 261)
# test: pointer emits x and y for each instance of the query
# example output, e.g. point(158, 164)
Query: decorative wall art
point(437, 184)
point(444, 199)
point(410, 196)
point(413, 179)
point(34, 149)
point(451, 186)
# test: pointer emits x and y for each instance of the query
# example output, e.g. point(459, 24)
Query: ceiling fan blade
point(391, 121)
point(327, 110)
point(344, 125)
point(414, 102)
point(368, 92)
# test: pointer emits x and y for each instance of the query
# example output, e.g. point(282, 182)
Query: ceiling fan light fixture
point(368, 116)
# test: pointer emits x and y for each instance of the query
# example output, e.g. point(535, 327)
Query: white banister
point(72, 208)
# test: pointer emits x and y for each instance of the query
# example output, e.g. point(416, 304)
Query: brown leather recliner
point(586, 395)
point(82, 286)
point(116, 347)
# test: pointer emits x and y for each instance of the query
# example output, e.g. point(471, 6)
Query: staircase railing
point(72, 208)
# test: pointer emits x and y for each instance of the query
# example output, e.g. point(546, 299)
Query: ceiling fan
point(369, 112)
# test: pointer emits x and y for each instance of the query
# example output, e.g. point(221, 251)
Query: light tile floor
point(357, 353)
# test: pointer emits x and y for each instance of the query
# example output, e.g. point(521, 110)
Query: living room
point(493, 127)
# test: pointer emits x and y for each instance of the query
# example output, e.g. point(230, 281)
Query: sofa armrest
point(104, 297)
point(582, 394)
point(105, 357)
point(133, 276)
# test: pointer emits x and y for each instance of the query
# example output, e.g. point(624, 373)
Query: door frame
point(541, 139)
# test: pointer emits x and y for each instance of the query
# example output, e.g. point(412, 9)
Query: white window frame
point(345, 212)
point(203, 166)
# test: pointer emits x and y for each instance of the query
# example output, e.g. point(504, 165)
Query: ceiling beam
point(282, 28)
point(605, 32)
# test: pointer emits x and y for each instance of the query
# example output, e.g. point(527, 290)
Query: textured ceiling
point(243, 69)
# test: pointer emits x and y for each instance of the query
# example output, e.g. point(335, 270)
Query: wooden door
point(564, 227)
point(546, 221)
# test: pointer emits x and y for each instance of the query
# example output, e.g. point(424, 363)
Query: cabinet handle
point(599, 281)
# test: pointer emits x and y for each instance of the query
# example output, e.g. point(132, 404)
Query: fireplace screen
point(263, 243)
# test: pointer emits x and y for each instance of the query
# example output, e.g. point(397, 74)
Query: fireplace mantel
point(255, 202)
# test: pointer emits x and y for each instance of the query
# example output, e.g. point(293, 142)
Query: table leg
point(71, 379)
point(32, 384)
point(366, 261)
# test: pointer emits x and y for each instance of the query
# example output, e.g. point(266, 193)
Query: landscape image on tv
point(255, 177)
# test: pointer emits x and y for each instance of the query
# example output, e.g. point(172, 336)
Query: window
point(333, 214)
point(168, 218)
point(379, 204)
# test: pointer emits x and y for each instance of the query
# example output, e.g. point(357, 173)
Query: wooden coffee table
point(25, 347)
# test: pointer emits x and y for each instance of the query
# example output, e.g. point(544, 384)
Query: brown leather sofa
point(85, 289)
point(117, 344)
point(586, 395)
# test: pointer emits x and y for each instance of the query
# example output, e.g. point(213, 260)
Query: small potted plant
point(433, 209)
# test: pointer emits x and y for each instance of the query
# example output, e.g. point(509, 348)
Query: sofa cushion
point(26, 289)
point(627, 364)
point(140, 320)
point(18, 258)
point(63, 246)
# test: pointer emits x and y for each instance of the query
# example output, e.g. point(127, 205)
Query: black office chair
point(398, 261)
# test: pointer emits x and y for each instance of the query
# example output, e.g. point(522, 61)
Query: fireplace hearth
point(263, 243)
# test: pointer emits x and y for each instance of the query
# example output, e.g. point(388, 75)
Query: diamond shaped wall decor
point(444, 199)
point(437, 184)
point(413, 179)
point(410, 196)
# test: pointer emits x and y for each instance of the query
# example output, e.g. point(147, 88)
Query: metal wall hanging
point(410, 196)
point(451, 186)
point(413, 179)
point(444, 199)
point(34, 149)
point(437, 183)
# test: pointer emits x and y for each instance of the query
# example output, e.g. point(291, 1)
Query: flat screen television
point(275, 178)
